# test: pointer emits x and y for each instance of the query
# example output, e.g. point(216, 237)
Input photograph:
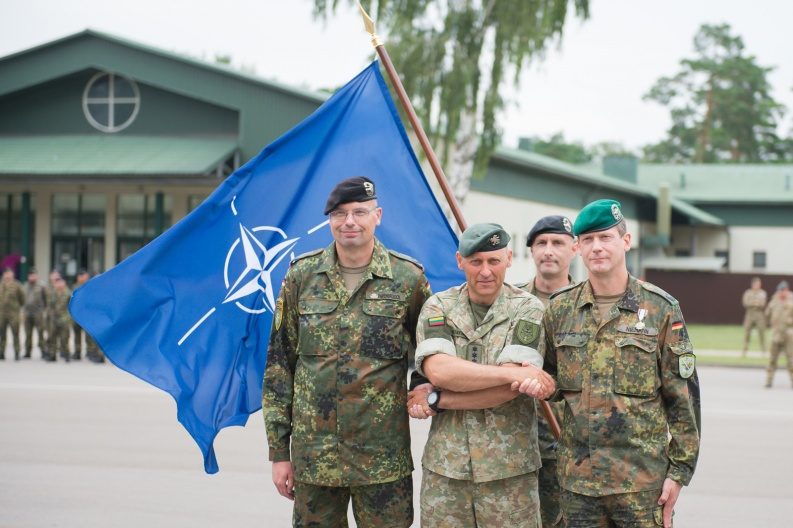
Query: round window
point(110, 102)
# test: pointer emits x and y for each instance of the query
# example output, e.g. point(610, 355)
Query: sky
point(590, 87)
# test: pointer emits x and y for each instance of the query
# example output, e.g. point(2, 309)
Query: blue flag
point(190, 313)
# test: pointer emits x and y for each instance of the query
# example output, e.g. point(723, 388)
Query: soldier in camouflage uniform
point(12, 297)
point(625, 368)
point(780, 317)
point(49, 291)
point(476, 341)
point(60, 320)
point(33, 312)
point(335, 385)
point(754, 300)
point(92, 351)
point(553, 248)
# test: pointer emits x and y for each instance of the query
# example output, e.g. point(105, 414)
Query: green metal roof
point(108, 156)
point(589, 175)
point(722, 183)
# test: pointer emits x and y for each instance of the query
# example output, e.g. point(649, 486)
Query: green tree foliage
point(720, 104)
point(454, 57)
point(557, 147)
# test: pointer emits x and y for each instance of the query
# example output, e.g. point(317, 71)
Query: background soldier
point(12, 297)
point(553, 248)
point(335, 386)
point(60, 320)
point(624, 365)
point(481, 457)
point(49, 315)
point(92, 350)
point(780, 316)
point(33, 312)
point(754, 300)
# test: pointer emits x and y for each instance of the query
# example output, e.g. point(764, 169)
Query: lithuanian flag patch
point(438, 320)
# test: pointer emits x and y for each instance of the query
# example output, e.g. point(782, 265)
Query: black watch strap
point(435, 406)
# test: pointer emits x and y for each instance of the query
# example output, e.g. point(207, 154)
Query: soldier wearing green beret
point(335, 385)
point(625, 368)
point(553, 247)
point(476, 344)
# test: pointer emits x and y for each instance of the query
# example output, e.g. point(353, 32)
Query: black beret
point(482, 237)
point(550, 224)
point(356, 189)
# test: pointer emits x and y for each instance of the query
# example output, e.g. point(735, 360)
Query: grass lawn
point(723, 337)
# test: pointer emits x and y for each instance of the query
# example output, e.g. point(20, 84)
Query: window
point(110, 102)
point(78, 233)
point(11, 224)
point(723, 254)
point(758, 259)
point(139, 221)
point(682, 253)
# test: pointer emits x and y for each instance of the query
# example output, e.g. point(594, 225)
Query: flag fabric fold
point(190, 313)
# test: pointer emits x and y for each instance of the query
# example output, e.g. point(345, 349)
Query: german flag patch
point(438, 320)
point(678, 325)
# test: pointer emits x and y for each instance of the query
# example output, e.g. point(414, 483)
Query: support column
point(111, 229)
point(43, 249)
point(25, 237)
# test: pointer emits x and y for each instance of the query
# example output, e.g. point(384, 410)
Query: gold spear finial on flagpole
point(368, 24)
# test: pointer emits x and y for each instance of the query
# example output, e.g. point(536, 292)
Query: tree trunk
point(461, 162)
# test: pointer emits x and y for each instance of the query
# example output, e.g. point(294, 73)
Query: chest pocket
point(316, 337)
point(383, 334)
point(636, 366)
point(571, 361)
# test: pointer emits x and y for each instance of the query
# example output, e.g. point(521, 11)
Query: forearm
point(478, 399)
point(459, 375)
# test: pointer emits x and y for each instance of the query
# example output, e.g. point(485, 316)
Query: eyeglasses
point(358, 214)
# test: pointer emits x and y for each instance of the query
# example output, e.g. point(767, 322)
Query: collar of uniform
point(629, 301)
point(532, 287)
point(461, 312)
point(380, 264)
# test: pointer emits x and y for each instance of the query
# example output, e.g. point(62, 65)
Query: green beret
point(598, 216)
point(482, 237)
point(356, 189)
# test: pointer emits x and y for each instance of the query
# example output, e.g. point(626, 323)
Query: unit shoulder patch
point(687, 364)
point(527, 332)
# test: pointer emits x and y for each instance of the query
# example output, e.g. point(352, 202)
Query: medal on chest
point(642, 313)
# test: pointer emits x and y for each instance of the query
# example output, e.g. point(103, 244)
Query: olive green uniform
point(548, 481)
point(780, 317)
point(631, 393)
point(335, 385)
point(92, 351)
point(480, 466)
point(12, 298)
point(33, 316)
point(59, 323)
point(754, 303)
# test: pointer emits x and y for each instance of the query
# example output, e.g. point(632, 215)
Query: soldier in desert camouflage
point(753, 301)
point(335, 386)
point(625, 368)
point(780, 317)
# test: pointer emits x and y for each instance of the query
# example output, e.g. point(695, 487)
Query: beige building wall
point(776, 242)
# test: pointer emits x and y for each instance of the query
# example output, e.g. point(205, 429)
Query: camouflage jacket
point(336, 377)
point(12, 296)
point(780, 317)
point(547, 441)
point(484, 444)
point(58, 307)
point(754, 299)
point(627, 383)
point(35, 298)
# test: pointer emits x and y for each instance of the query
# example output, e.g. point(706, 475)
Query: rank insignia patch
point(527, 332)
point(279, 313)
point(686, 362)
point(436, 321)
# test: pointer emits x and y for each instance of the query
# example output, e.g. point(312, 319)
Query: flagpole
point(385, 59)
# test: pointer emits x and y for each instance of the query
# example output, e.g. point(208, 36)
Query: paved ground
point(84, 445)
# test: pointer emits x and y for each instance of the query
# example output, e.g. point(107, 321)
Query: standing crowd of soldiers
point(44, 311)
point(775, 314)
point(611, 354)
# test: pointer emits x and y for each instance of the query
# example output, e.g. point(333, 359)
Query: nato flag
point(190, 313)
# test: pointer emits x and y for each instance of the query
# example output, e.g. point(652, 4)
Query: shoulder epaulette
point(307, 254)
point(658, 291)
point(566, 289)
point(410, 259)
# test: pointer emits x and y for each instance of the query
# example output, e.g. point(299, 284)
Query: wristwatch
point(433, 400)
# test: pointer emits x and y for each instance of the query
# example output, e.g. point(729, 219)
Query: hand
point(668, 498)
point(417, 402)
point(536, 383)
point(284, 479)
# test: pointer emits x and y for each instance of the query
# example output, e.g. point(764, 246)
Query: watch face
point(432, 398)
